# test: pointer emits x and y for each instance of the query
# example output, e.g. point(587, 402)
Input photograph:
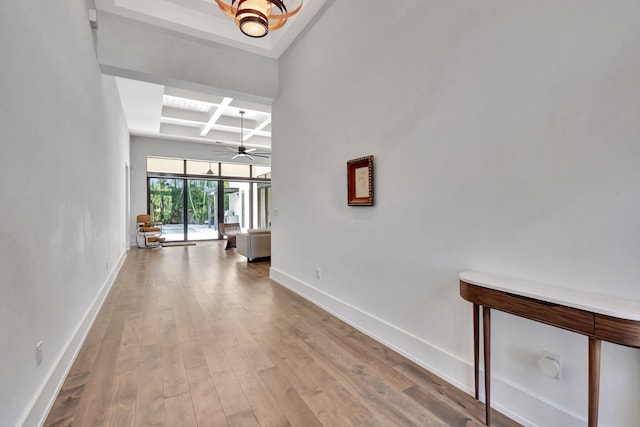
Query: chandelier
point(255, 17)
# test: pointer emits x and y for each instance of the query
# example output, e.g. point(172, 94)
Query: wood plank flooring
point(196, 336)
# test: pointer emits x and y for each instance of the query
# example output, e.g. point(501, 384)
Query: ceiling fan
point(243, 151)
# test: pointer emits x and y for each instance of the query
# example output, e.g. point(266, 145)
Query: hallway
point(196, 336)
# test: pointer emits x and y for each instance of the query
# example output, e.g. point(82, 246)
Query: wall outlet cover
point(550, 365)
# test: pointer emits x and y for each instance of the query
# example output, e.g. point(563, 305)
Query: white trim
point(525, 406)
point(39, 407)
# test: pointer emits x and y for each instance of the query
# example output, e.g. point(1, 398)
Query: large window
point(191, 197)
point(236, 203)
point(202, 223)
point(166, 205)
point(262, 204)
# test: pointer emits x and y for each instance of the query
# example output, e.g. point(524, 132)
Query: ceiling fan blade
point(264, 153)
point(260, 155)
point(232, 149)
point(251, 158)
point(236, 156)
point(249, 150)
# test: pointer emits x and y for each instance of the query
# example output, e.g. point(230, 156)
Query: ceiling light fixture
point(254, 17)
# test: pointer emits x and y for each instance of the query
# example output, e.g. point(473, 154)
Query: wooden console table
point(599, 317)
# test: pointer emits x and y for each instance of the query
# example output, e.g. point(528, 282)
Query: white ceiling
point(204, 19)
point(164, 112)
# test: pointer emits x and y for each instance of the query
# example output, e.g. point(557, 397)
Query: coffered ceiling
point(165, 112)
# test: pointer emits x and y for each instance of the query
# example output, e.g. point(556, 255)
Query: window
point(262, 172)
point(231, 169)
point(162, 165)
point(191, 202)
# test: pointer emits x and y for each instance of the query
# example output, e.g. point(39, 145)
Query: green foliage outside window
point(167, 197)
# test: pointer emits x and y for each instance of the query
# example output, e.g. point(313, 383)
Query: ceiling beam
point(216, 115)
point(258, 128)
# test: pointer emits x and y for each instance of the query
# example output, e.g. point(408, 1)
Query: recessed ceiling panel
point(203, 19)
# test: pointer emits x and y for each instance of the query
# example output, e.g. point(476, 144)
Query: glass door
point(236, 203)
point(262, 205)
point(166, 205)
point(202, 210)
point(192, 209)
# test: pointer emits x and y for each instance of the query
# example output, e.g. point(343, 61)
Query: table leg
point(476, 348)
point(486, 327)
point(594, 380)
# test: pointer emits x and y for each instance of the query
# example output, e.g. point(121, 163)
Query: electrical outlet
point(39, 353)
point(318, 273)
point(106, 266)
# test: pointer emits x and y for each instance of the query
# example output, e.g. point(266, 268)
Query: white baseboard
point(39, 407)
point(523, 407)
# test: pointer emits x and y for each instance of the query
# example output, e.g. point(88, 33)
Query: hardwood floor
point(195, 336)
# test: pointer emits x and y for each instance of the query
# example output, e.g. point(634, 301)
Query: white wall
point(506, 140)
point(140, 51)
point(62, 185)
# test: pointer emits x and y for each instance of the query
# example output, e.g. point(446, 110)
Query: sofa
point(254, 244)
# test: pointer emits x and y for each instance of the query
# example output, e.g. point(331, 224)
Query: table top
point(596, 303)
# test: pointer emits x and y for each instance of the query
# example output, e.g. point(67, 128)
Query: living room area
point(191, 201)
